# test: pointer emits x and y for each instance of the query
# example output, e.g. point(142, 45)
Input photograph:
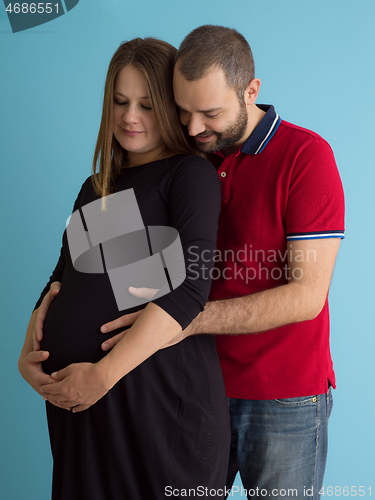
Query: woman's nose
point(131, 114)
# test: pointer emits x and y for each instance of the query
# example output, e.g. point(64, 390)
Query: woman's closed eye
point(124, 103)
point(120, 103)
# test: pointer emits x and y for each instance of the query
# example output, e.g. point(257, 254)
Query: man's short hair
point(219, 46)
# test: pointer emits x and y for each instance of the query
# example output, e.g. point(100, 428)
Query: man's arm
point(301, 299)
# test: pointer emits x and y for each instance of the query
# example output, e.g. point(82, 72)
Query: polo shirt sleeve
point(316, 197)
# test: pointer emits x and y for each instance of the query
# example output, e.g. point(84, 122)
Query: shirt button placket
point(224, 187)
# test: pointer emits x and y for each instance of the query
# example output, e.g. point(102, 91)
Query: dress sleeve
point(194, 203)
point(59, 269)
point(316, 197)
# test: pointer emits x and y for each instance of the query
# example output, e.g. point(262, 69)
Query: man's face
point(211, 111)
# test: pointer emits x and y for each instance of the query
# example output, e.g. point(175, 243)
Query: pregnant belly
point(72, 326)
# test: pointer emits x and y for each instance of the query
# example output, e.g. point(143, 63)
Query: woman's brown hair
point(155, 59)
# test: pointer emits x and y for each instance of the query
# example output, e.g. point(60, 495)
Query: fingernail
point(54, 374)
point(105, 346)
point(104, 329)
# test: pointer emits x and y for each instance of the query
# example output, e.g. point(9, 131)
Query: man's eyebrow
point(211, 110)
point(205, 111)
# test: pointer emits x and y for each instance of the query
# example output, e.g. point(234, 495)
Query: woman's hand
point(30, 360)
point(37, 332)
point(30, 367)
point(77, 387)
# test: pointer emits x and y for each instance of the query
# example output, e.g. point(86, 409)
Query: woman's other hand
point(30, 367)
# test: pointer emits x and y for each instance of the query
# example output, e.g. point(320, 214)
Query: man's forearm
point(258, 312)
point(299, 300)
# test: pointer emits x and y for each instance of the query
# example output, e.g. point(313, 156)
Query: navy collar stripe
point(269, 136)
point(263, 132)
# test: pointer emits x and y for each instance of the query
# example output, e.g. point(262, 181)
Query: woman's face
point(133, 120)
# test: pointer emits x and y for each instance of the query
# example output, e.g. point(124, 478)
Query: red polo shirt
point(282, 184)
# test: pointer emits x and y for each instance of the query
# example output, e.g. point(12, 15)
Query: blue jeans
point(280, 446)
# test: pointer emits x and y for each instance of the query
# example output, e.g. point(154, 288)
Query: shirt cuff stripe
point(316, 235)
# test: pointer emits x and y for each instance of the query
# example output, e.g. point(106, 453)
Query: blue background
point(316, 61)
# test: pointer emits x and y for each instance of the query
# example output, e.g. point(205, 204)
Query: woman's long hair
point(155, 59)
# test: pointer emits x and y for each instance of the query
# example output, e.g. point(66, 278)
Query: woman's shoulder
point(190, 163)
point(191, 159)
point(193, 176)
point(86, 194)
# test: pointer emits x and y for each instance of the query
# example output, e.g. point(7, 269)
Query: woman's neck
point(137, 159)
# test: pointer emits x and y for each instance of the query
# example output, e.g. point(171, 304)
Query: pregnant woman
point(140, 421)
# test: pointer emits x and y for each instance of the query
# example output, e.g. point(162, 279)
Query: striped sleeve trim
point(315, 235)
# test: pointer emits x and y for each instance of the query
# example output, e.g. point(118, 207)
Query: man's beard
point(230, 136)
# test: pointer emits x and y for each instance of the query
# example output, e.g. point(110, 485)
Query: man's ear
point(252, 91)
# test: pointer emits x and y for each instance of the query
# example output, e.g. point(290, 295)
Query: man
point(279, 233)
point(282, 218)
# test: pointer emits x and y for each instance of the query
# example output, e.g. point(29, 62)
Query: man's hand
point(76, 387)
point(30, 367)
point(127, 319)
point(37, 332)
point(121, 322)
point(143, 293)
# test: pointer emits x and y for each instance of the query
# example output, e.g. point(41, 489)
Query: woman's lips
point(131, 133)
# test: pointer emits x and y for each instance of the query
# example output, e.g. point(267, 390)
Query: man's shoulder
point(298, 132)
point(296, 140)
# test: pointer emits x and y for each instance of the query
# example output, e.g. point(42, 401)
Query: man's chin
point(206, 147)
